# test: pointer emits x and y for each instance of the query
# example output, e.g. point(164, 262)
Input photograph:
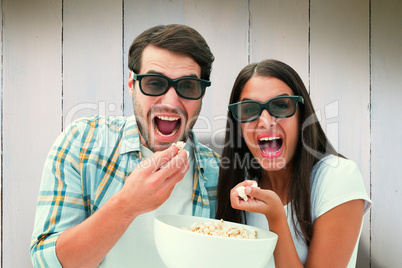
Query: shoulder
point(332, 165)
point(93, 130)
point(96, 121)
point(335, 180)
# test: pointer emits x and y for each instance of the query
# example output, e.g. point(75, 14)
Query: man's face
point(164, 119)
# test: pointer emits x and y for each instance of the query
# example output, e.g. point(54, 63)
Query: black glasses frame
point(264, 106)
point(172, 82)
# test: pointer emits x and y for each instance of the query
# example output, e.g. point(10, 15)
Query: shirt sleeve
point(61, 203)
point(335, 181)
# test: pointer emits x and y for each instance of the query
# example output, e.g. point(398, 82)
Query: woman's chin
point(272, 163)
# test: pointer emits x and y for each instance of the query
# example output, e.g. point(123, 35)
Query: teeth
point(269, 138)
point(167, 118)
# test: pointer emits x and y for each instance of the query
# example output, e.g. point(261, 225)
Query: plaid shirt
point(87, 164)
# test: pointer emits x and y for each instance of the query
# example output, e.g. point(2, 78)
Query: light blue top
point(334, 181)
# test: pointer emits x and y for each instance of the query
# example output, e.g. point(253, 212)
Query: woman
point(310, 196)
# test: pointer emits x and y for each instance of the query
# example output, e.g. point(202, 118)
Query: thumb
point(255, 192)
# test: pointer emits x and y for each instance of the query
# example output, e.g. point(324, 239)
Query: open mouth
point(270, 145)
point(166, 126)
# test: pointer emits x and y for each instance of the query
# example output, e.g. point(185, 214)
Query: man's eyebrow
point(155, 72)
point(191, 75)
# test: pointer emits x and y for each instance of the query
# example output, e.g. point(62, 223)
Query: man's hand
point(147, 187)
point(152, 181)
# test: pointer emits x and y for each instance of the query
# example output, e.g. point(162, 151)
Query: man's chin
point(156, 147)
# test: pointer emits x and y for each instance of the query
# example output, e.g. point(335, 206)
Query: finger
point(174, 176)
point(158, 159)
point(249, 182)
point(234, 193)
point(178, 175)
point(257, 193)
point(178, 164)
point(245, 183)
point(181, 156)
point(235, 199)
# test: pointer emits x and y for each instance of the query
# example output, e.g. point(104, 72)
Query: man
point(102, 183)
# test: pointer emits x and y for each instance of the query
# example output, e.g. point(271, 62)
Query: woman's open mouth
point(166, 126)
point(270, 146)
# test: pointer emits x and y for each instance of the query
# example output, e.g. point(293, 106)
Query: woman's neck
point(277, 181)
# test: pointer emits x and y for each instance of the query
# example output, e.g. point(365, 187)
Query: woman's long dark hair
point(238, 163)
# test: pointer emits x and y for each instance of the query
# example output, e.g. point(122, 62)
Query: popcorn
point(242, 191)
point(180, 145)
point(222, 230)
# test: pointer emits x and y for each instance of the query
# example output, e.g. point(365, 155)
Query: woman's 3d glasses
point(279, 107)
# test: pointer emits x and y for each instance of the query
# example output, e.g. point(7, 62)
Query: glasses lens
point(189, 88)
point(154, 85)
point(248, 110)
point(282, 107)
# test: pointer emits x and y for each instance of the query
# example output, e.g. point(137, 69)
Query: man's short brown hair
point(176, 38)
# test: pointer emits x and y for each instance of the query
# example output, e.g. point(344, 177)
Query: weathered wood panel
point(65, 59)
point(31, 114)
point(1, 131)
point(386, 132)
point(340, 84)
point(92, 58)
point(280, 30)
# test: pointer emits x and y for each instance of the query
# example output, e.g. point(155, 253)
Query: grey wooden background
point(62, 59)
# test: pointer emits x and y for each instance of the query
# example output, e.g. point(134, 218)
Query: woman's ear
point(239, 130)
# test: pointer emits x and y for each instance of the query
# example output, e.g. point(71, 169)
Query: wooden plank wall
point(92, 58)
point(67, 58)
point(1, 130)
point(31, 109)
point(340, 84)
point(386, 153)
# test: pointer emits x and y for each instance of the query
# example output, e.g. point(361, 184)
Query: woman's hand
point(261, 201)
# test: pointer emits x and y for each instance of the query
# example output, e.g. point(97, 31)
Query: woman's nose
point(266, 119)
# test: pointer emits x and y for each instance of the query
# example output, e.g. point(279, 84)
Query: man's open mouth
point(166, 126)
point(270, 145)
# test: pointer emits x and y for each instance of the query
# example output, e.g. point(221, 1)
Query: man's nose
point(170, 97)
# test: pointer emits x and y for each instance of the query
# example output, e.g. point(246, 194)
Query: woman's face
point(272, 141)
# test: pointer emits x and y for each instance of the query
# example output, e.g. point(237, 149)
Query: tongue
point(271, 146)
point(165, 127)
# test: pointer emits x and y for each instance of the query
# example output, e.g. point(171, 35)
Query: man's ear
point(130, 83)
